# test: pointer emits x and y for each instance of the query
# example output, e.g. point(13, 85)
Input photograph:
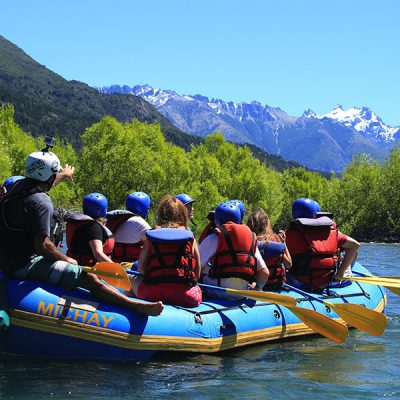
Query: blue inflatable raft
point(48, 322)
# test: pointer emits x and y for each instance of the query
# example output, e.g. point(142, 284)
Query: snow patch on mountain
point(364, 121)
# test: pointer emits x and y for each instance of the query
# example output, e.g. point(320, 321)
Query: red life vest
point(170, 256)
point(123, 252)
point(75, 222)
point(235, 255)
point(208, 230)
point(317, 264)
point(272, 253)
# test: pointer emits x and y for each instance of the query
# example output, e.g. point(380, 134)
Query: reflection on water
point(364, 367)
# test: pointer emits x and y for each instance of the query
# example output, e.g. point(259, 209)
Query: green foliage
point(299, 182)
point(117, 159)
point(15, 145)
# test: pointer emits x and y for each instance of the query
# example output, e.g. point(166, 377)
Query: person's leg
point(108, 293)
point(69, 276)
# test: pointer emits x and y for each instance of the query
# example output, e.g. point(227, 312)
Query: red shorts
point(172, 293)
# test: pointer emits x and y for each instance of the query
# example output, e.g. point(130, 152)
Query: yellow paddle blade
point(112, 273)
point(375, 280)
point(362, 318)
point(322, 324)
point(281, 299)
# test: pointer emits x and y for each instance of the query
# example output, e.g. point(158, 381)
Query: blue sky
point(287, 53)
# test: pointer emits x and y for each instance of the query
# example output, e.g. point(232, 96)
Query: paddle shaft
point(283, 300)
point(116, 274)
point(394, 290)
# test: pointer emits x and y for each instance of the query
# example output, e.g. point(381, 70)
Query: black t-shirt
point(83, 235)
point(25, 217)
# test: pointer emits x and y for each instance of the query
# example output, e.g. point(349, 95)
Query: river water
point(364, 367)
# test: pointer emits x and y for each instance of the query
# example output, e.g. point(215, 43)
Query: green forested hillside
point(116, 159)
point(46, 103)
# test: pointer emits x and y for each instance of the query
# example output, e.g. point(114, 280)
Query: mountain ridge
point(46, 103)
point(272, 129)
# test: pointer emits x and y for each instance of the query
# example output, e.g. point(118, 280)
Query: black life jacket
point(16, 244)
point(75, 222)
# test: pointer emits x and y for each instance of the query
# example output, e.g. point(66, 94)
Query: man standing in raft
point(26, 251)
point(315, 245)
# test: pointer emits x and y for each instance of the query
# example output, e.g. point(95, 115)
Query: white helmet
point(41, 165)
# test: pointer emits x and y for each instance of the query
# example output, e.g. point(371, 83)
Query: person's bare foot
point(152, 309)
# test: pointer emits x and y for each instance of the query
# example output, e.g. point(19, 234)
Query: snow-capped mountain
point(362, 120)
point(326, 142)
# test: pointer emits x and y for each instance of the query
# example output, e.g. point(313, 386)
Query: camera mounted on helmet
point(50, 142)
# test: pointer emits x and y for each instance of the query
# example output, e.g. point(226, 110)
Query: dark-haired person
point(26, 251)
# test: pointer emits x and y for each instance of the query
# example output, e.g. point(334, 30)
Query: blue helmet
point(139, 203)
point(227, 212)
point(184, 198)
point(241, 206)
point(305, 208)
point(95, 205)
point(12, 179)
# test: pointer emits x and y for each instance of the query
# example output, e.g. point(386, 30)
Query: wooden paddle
point(116, 275)
point(318, 322)
point(362, 318)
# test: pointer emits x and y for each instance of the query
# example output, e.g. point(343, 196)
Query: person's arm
point(196, 255)
point(66, 174)
point(97, 250)
point(207, 250)
point(262, 278)
point(351, 248)
point(287, 259)
point(45, 247)
point(262, 274)
point(143, 258)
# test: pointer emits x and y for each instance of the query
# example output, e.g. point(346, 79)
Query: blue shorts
point(59, 273)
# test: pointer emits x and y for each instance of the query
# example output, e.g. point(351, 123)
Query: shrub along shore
point(117, 159)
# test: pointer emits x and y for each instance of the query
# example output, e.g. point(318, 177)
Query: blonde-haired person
point(272, 248)
point(170, 259)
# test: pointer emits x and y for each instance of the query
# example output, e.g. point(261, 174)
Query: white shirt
point(133, 230)
point(208, 248)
